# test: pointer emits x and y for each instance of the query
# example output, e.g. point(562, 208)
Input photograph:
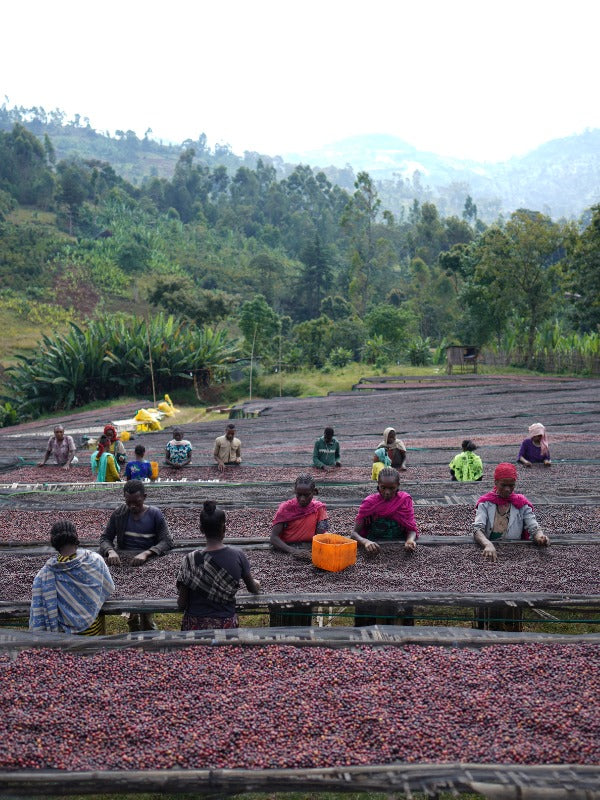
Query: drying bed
point(300, 707)
point(33, 527)
point(571, 569)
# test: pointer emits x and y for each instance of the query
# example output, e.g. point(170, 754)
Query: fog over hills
point(560, 178)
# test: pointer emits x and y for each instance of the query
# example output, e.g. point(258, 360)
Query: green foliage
point(24, 173)
point(394, 325)
point(336, 308)
point(312, 338)
point(268, 271)
point(239, 390)
point(510, 274)
point(111, 357)
point(582, 270)
point(49, 316)
point(339, 357)
point(7, 204)
point(178, 295)
point(260, 326)
point(555, 349)
point(229, 239)
point(359, 221)
point(314, 280)
point(419, 351)
point(376, 350)
point(26, 253)
point(8, 415)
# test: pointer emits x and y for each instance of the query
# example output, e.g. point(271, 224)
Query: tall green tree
point(582, 266)
point(260, 326)
point(359, 221)
point(511, 276)
point(535, 246)
point(24, 171)
point(314, 279)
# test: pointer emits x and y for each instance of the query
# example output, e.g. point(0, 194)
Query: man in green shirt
point(326, 452)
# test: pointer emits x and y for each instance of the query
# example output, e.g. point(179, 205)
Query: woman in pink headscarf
point(534, 449)
point(503, 514)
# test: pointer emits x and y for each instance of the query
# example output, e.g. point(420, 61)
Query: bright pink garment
point(300, 521)
point(291, 509)
point(517, 500)
point(399, 508)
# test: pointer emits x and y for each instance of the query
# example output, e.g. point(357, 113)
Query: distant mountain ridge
point(560, 178)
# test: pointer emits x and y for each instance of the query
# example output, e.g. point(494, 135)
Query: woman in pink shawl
point(297, 520)
point(388, 515)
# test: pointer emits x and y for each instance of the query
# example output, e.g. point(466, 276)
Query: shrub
point(419, 353)
point(8, 415)
point(340, 357)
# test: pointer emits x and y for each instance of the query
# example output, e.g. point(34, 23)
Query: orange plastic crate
point(333, 552)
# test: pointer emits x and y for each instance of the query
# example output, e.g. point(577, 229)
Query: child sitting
point(138, 469)
point(466, 466)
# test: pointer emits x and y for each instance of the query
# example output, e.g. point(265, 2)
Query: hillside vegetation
point(249, 267)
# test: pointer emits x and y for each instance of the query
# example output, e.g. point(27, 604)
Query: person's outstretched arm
point(278, 544)
point(370, 547)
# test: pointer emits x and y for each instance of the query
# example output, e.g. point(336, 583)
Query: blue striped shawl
point(67, 596)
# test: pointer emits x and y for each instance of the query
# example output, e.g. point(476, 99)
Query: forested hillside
point(561, 178)
point(292, 269)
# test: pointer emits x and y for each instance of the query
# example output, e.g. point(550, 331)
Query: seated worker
point(466, 466)
point(387, 515)
point(208, 579)
point(61, 448)
point(103, 463)
point(228, 449)
point(117, 448)
point(326, 452)
point(534, 449)
point(138, 469)
point(140, 531)
point(70, 589)
point(297, 520)
point(502, 514)
point(178, 452)
point(380, 460)
point(395, 449)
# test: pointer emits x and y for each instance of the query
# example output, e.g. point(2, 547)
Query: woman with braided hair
point(208, 579)
point(70, 589)
point(103, 463)
point(297, 520)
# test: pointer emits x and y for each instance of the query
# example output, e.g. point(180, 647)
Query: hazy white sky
point(476, 79)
